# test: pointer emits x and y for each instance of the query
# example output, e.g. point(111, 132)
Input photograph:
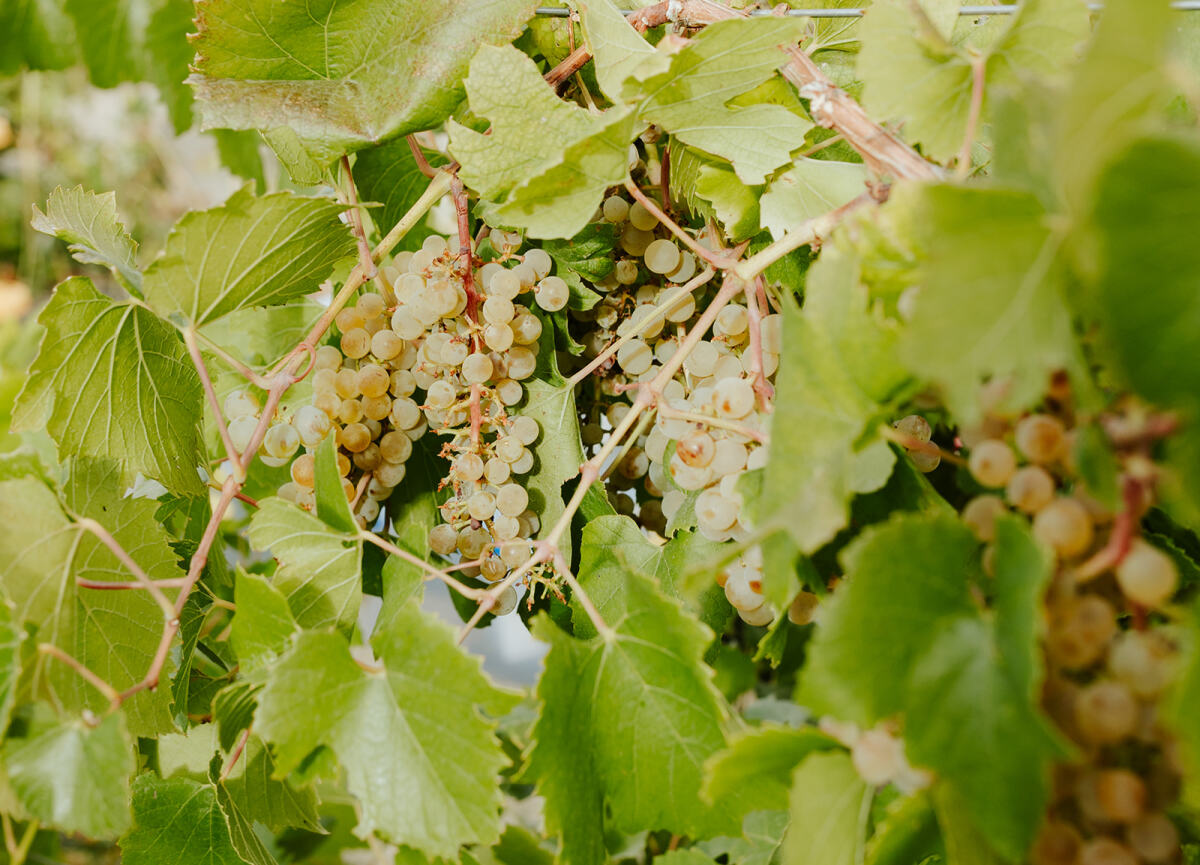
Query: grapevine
point(805, 398)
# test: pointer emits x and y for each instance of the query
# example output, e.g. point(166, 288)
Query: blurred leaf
point(90, 225)
point(827, 806)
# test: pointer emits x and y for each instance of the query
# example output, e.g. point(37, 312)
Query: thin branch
point(708, 420)
point(110, 693)
point(237, 752)
point(422, 163)
point(1120, 539)
point(978, 73)
point(102, 586)
point(758, 376)
point(365, 259)
point(801, 235)
point(431, 572)
point(189, 339)
point(705, 254)
point(817, 148)
point(568, 66)
point(143, 581)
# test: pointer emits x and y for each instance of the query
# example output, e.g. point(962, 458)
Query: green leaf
point(1146, 199)
point(619, 51)
point(263, 623)
point(74, 777)
point(762, 838)
point(546, 162)
point(726, 59)
point(907, 833)
point(339, 77)
point(262, 798)
point(239, 152)
point(416, 752)
point(92, 229)
point(588, 255)
point(36, 34)
point(710, 188)
point(332, 506)
point(181, 821)
point(233, 709)
point(922, 75)
point(114, 380)
point(115, 634)
point(319, 567)
point(1017, 325)
point(757, 767)
point(837, 367)
point(828, 806)
point(166, 56)
point(1184, 701)
point(627, 718)
point(248, 252)
point(809, 188)
point(11, 639)
point(559, 448)
point(259, 336)
point(388, 174)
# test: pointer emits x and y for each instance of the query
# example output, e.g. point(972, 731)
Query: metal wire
point(1008, 9)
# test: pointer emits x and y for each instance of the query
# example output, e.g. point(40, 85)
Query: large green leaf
point(341, 75)
point(114, 633)
point(388, 175)
point(415, 750)
point(319, 567)
point(828, 806)
point(114, 380)
point(261, 797)
point(837, 367)
point(1014, 323)
point(711, 188)
point(36, 34)
point(546, 162)
point(72, 776)
point(248, 252)
point(809, 188)
point(757, 766)
point(182, 821)
point(263, 623)
point(918, 73)
point(11, 638)
point(627, 718)
point(93, 231)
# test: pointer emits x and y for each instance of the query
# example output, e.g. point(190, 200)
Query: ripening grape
point(980, 515)
point(916, 426)
point(992, 463)
point(1040, 438)
point(661, 256)
point(1146, 575)
point(1121, 795)
point(1064, 525)
point(1057, 843)
point(641, 218)
point(241, 430)
point(1144, 661)
point(1106, 851)
point(1153, 837)
point(1105, 712)
point(281, 441)
point(1030, 489)
point(506, 602)
point(552, 293)
point(238, 404)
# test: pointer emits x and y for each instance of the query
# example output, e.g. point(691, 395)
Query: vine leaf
point(388, 174)
point(628, 719)
point(179, 821)
point(250, 251)
point(414, 747)
point(263, 624)
point(263, 798)
point(837, 370)
point(114, 380)
point(11, 638)
point(115, 634)
point(964, 679)
point(827, 804)
point(760, 841)
point(319, 567)
point(72, 776)
point(546, 163)
point(755, 772)
point(921, 73)
point(36, 34)
point(93, 231)
point(809, 188)
point(711, 188)
point(330, 79)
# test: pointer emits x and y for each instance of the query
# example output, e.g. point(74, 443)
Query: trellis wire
point(1008, 9)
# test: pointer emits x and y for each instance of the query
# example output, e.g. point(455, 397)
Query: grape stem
point(19, 852)
point(430, 571)
point(1120, 539)
point(236, 365)
point(422, 163)
point(978, 72)
point(143, 582)
point(708, 420)
point(365, 260)
point(237, 753)
point(717, 261)
point(189, 339)
point(758, 377)
point(97, 682)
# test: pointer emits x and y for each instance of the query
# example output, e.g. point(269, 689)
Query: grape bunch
point(1110, 650)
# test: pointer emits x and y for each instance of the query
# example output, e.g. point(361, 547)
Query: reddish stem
point(757, 373)
point(422, 163)
point(1120, 539)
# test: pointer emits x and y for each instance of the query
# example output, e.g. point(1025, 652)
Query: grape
point(349, 319)
point(1105, 712)
point(634, 240)
point(370, 306)
point(1064, 525)
point(552, 293)
point(510, 240)
point(696, 449)
point(525, 429)
point(395, 447)
point(240, 404)
point(505, 284)
point(498, 337)
point(281, 441)
point(641, 218)
point(1030, 489)
point(345, 383)
point(376, 408)
point(477, 368)
point(521, 363)
point(481, 506)
point(343, 465)
point(714, 512)
point(304, 470)
point(312, 425)
point(540, 261)
point(509, 391)
point(498, 310)
point(759, 617)
point(615, 209)
point(877, 756)
point(1144, 661)
point(373, 380)
point(506, 602)
point(733, 398)
point(405, 324)
point(354, 437)
point(241, 430)
point(915, 426)
point(441, 395)
point(368, 511)
point(468, 467)
point(385, 345)
point(661, 256)
point(327, 357)
point(391, 473)
point(1057, 844)
point(635, 464)
point(980, 516)
point(349, 411)
point(1083, 635)
point(497, 471)
point(992, 463)
point(803, 608)
point(686, 269)
point(739, 592)
point(355, 343)
point(405, 413)
point(1146, 575)
point(702, 359)
point(681, 310)
point(733, 319)
point(511, 499)
point(526, 329)
point(1121, 795)
point(443, 539)
point(1040, 437)
point(325, 381)
point(1153, 837)
point(368, 459)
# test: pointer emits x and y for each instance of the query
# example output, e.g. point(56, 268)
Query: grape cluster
point(444, 358)
point(710, 420)
point(1110, 653)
